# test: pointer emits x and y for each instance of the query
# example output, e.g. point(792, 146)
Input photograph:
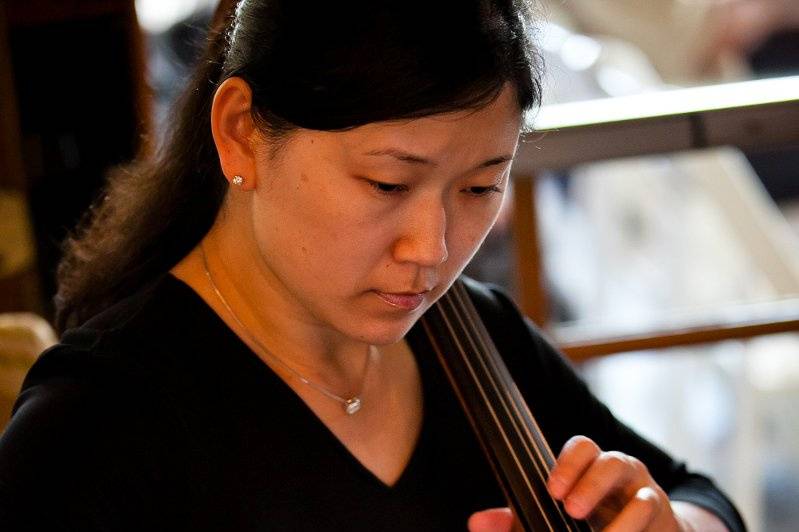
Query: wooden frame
point(752, 115)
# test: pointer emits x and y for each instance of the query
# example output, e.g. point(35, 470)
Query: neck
point(264, 315)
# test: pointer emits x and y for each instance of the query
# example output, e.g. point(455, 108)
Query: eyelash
point(390, 189)
point(387, 188)
point(484, 191)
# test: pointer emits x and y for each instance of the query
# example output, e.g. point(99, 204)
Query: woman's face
point(361, 231)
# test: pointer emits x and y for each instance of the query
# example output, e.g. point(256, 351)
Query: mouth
point(403, 300)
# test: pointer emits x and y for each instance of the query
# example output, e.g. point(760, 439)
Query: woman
point(241, 352)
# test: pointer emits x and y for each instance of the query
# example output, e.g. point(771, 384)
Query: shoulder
point(88, 359)
point(76, 401)
point(67, 404)
point(101, 384)
point(155, 309)
point(486, 295)
point(87, 439)
point(125, 363)
point(496, 308)
point(555, 392)
point(160, 332)
point(69, 422)
point(519, 340)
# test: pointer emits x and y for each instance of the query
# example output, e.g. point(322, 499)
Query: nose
point(423, 238)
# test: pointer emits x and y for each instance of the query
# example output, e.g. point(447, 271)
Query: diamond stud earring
point(237, 180)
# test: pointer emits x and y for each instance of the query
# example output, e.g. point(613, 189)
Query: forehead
point(463, 137)
point(500, 121)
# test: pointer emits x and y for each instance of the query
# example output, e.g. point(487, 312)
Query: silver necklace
point(351, 405)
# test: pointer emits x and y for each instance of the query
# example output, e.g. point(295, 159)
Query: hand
point(614, 489)
point(493, 520)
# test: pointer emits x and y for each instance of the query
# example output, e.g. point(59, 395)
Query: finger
point(493, 520)
point(612, 476)
point(575, 458)
point(639, 513)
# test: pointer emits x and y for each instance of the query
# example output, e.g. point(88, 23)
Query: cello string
point(462, 308)
point(521, 409)
point(490, 355)
point(534, 495)
point(490, 407)
point(500, 427)
point(478, 344)
point(498, 467)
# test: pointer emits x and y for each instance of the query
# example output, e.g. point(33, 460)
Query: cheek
point(302, 210)
point(473, 226)
point(336, 230)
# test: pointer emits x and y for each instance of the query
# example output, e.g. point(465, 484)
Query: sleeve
point(79, 454)
point(564, 406)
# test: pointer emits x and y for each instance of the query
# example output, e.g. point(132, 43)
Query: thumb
point(493, 520)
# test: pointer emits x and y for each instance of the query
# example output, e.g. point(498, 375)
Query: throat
point(382, 436)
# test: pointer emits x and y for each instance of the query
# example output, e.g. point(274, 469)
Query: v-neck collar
point(290, 400)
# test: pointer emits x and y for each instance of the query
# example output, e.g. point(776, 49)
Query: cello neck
point(505, 427)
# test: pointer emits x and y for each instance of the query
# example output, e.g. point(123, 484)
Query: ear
point(234, 131)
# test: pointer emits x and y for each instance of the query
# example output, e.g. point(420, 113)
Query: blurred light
point(580, 52)
point(553, 37)
point(618, 82)
point(156, 16)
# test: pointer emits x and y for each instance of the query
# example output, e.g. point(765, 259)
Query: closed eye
point(387, 188)
point(483, 191)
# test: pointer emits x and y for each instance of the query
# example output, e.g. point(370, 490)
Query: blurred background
point(670, 278)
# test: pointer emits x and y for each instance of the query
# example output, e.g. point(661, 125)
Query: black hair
point(321, 65)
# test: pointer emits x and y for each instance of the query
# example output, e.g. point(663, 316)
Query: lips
point(405, 300)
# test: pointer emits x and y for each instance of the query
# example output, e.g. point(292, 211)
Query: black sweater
point(155, 416)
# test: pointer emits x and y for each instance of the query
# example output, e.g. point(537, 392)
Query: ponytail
point(152, 212)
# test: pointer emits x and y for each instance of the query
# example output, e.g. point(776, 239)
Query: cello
point(505, 428)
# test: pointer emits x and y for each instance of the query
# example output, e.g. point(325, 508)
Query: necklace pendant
point(352, 405)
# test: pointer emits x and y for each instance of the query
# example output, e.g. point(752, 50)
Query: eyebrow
point(408, 157)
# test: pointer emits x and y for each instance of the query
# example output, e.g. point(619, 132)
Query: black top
point(155, 416)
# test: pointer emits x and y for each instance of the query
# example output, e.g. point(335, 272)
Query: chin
point(386, 332)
